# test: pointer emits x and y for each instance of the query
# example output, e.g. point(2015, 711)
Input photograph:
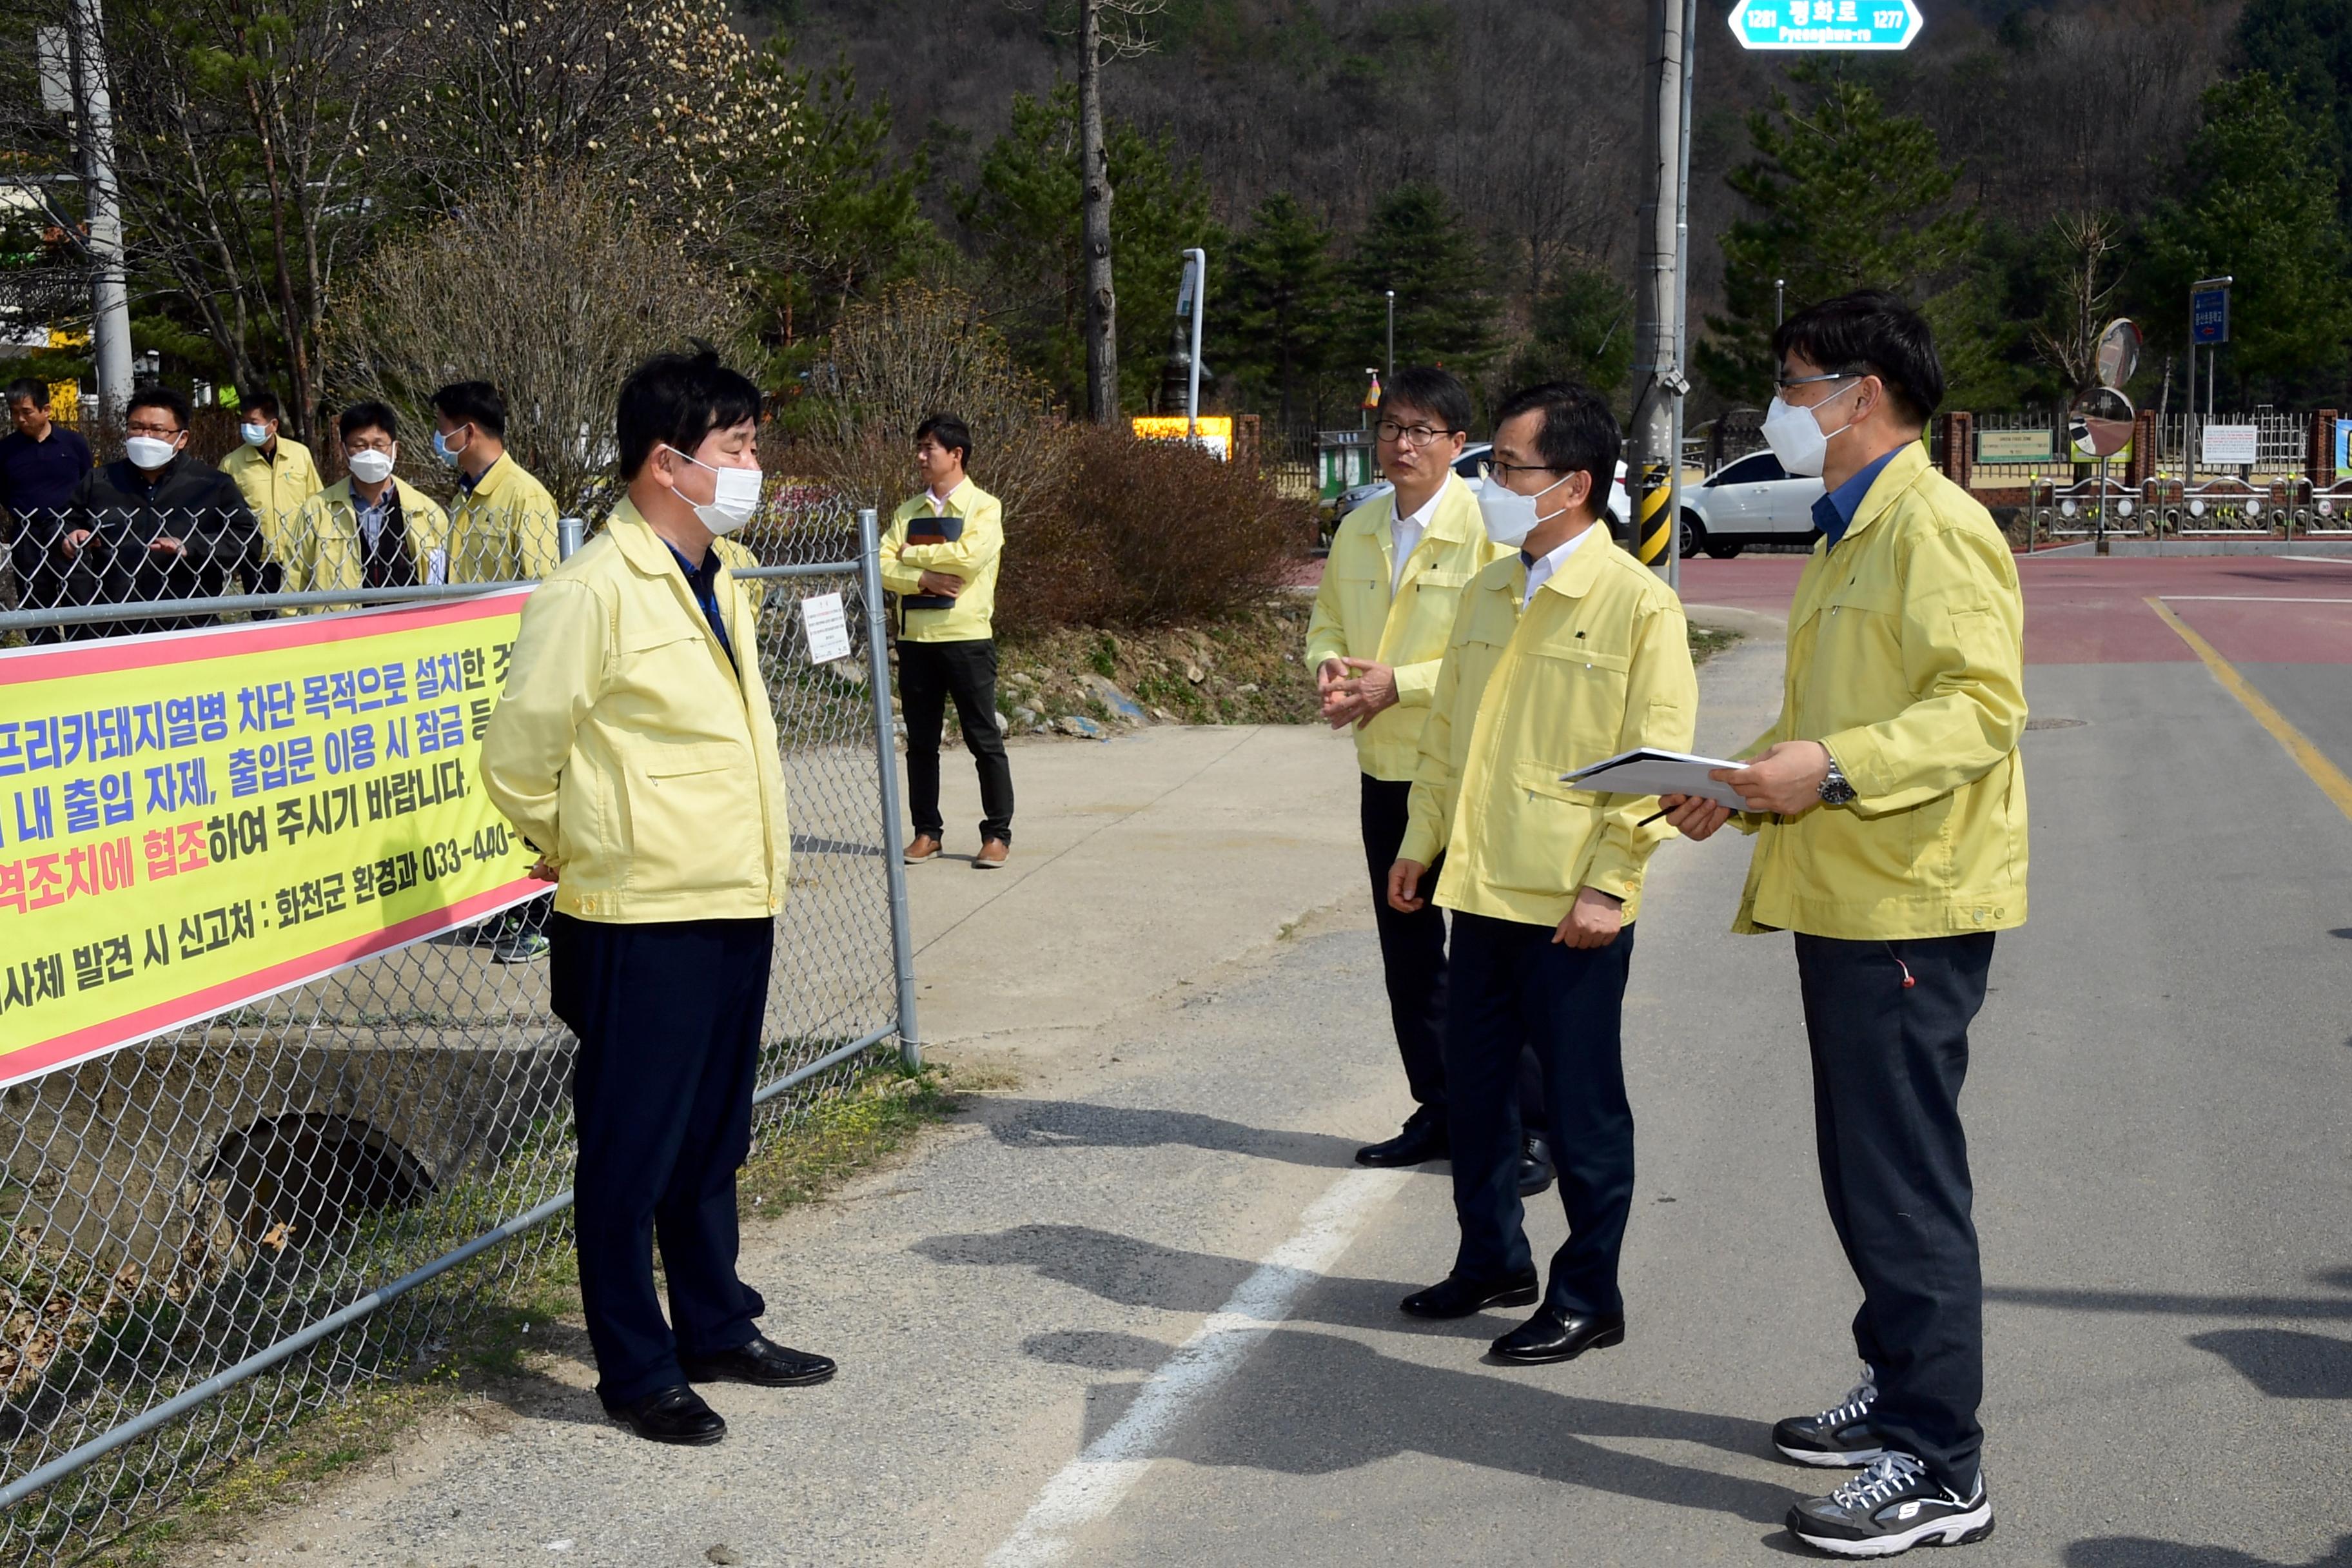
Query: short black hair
point(1870, 333)
point(1433, 391)
point(26, 386)
point(474, 402)
point(675, 400)
point(1578, 434)
point(950, 432)
point(155, 394)
point(369, 415)
point(261, 400)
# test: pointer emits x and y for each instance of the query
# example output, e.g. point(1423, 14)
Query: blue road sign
point(2209, 315)
point(1825, 24)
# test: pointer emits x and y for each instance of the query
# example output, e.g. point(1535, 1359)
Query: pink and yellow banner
point(192, 821)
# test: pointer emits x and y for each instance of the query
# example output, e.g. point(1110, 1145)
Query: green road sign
point(1825, 24)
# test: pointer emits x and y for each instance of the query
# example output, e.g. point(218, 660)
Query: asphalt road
point(1141, 1308)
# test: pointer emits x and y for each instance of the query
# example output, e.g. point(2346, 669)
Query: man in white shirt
point(1382, 614)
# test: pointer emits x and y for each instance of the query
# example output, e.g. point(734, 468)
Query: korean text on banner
point(191, 821)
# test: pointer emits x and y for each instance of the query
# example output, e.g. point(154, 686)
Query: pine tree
point(1846, 196)
point(1281, 301)
point(1584, 330)
point(1415, 243)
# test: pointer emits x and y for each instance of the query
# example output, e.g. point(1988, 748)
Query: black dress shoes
point(1423, 1140)
point(1535, 1167)
point(1556, 1335)
point(676, 1414)
point(762, 1361)
point(1454, 1297)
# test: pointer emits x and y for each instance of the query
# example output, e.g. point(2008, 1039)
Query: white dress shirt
point(1539, 572)
point(1405, 532)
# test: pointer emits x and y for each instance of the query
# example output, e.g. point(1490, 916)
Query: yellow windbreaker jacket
point(1355, 617)
point(276, 491)
point(325, 552)
point(503, 530)
point(1906, 660)
point(627, 747)
point(968, 541)
point(1598, 663)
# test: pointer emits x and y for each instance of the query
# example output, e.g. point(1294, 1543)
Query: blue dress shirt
point(1833, 513)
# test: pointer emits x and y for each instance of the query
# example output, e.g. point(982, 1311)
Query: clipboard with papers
point(1647, 771)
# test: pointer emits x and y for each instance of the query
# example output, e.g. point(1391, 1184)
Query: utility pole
point(1392, 334)
point(1094, 173)
point(94, 155)
point(1658, 382)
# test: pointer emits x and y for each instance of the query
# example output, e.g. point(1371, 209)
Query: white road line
point(1091, 1485)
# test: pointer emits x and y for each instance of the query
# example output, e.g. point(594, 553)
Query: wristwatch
point(1835, 790)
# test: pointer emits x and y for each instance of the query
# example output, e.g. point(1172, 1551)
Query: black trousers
point(1888, 1064)
point(930, 673)
point(1412, 960)
point(669, 1016)
point(1513, 987)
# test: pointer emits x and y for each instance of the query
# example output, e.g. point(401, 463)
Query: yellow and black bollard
point(1653, 523)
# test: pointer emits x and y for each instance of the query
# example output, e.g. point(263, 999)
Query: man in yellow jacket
point(1565, 653)
point(940, 559)
point(1391, 585)
point(1889, 803)
point(277, 475)
point(368, 530)
point(635, 749)
point(502, 529)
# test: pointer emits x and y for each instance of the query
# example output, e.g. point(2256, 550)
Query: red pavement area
point(2253, 609)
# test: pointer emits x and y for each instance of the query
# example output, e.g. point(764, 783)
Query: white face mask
point(1796, 437)
point(1509, 516)
point(149, 452)
point(370, 467)
point(734, 498)
point(254, 434)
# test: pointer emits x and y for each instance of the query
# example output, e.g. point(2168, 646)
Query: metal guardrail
point(2167, 509)
point(204, 1235)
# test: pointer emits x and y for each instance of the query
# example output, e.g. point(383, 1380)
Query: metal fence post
point(885, 757)
point(568, 533)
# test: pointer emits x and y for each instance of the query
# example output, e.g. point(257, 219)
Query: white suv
point(1751, 500)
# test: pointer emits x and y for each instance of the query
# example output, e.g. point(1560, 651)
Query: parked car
point(1750, 500)
point(1474, 457)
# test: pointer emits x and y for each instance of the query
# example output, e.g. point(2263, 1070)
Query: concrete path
point(1140, 1310)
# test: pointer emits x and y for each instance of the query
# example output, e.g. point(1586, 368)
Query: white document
point(826, 626)
point(1648, 772)
point(436, 568)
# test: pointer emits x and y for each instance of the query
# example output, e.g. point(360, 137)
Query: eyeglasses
point(1782, 382)
point(1496, 470)
point(1408, 435)
point(160, 432)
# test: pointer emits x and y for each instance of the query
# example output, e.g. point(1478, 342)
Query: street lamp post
point(1198, 261)
point(1392, 334)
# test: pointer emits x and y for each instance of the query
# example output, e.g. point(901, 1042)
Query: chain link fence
point(208, 1233)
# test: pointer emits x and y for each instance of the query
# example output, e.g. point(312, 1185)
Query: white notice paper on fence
point(2227, 446)
point(826, 627)
point(1649, 772)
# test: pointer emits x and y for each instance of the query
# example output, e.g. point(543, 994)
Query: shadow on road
point(2284, 1364)
point(2136, 1552)
point(1056, 1125)
point(1144, 1274)
point(2166, 1303)
point(1309, 1403)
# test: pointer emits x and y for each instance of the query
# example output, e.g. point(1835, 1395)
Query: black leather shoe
point(1454, 1297)
point(1423, 1140)
point(675, 1415)
point(1535, 1167)
point(1554, 1335)
point(762, 1361)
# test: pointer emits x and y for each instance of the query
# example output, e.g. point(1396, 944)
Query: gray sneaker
point(520, 947)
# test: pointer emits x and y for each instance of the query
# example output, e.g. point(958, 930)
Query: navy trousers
point(1888, 1064)
point(1513, 986)
point(1412, 960)
point(668, 1016)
